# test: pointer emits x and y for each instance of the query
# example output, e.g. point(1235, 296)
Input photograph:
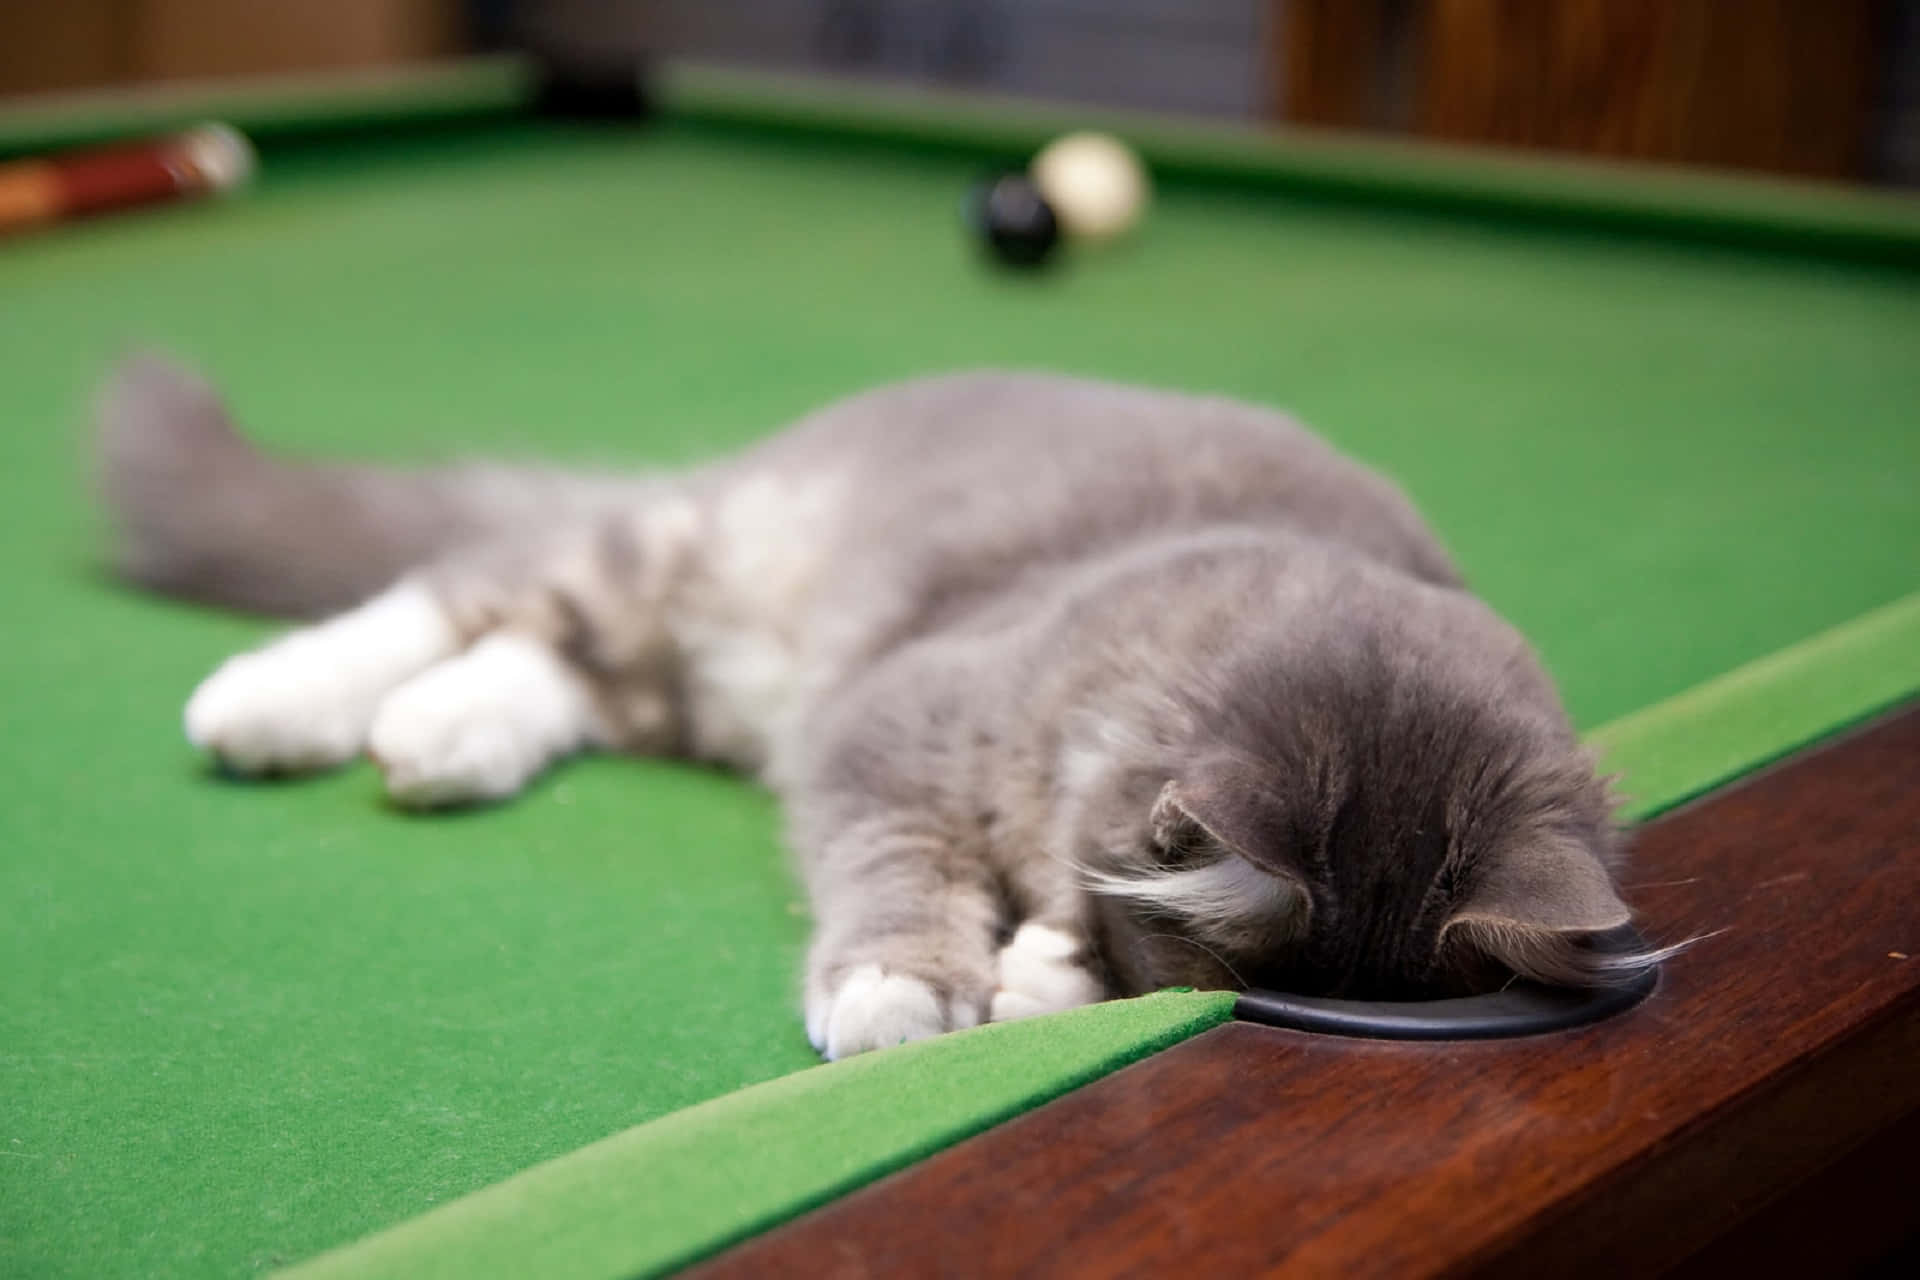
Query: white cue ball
point(1096, 185)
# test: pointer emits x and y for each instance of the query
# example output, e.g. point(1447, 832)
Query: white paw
point(1040, 973)
point(480, 726)
point(306, 700)
point(874, 1009)
point(275, 710)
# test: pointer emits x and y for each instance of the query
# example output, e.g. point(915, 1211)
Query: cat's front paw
point(1042, 970)
point(871, 1008)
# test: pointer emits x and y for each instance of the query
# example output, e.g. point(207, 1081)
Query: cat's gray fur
point(1165, 673)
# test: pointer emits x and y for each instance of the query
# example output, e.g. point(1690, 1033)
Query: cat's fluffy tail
point(199, 512)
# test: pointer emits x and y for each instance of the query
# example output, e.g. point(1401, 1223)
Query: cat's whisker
point(1639, 961)
point(1198, 945)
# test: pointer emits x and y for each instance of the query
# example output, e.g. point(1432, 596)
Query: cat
point(1069, 689)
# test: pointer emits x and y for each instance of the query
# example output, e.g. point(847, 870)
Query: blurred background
point(1818, 88)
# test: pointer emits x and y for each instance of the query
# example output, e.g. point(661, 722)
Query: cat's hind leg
point(307, 700)
point(471, 675)
point(445, 725)
point(481, 725)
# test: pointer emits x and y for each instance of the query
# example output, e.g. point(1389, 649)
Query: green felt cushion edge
point(274, 108)
point(1796, 217)
point(1689, 744)
point(665, 1193)
point(662, 1194)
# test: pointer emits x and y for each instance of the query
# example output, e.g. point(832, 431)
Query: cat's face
point(1365, 896)
point(1390, 824)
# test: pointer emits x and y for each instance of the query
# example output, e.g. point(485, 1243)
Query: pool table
point(1669, 423)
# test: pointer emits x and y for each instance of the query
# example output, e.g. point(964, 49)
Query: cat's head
point(1383, 807)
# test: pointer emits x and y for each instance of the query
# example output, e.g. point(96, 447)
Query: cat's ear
point(1222, 873)
point(1537, 904)
point(1230, 806)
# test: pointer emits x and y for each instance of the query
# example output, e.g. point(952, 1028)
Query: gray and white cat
point(1070, 690)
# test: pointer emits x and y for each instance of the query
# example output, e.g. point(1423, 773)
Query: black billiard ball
point(1014, 220)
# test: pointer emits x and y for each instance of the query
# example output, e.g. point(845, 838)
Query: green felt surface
point(240, 1025)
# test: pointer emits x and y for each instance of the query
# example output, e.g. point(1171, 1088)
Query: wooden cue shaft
point(71, 184)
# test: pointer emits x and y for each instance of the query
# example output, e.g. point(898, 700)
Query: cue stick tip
point(224, 158)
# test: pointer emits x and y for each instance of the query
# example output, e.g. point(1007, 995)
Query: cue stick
point(52, 188)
